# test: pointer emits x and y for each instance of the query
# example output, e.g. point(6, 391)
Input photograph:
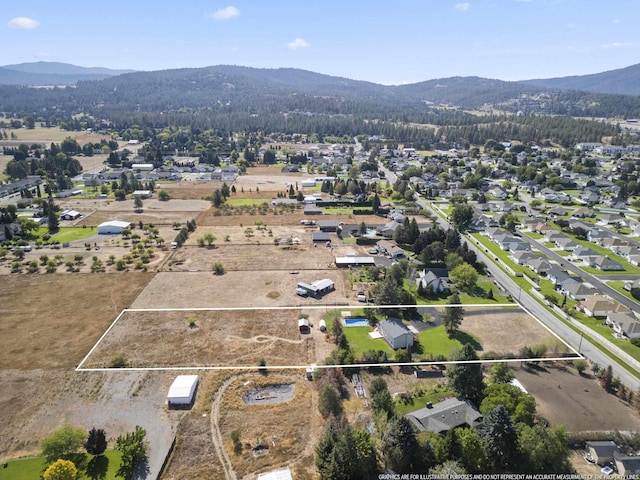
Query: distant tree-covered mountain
point(155, 97)
point(52, 73)
point(623, 81)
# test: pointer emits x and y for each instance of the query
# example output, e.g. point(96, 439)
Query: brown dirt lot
point(49, 322)
point(239, 289)
point(284, 427)
point(219, 338)
point(496, 329)
point(154, 211)
point(576, 401)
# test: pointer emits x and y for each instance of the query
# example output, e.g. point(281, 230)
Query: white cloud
point(463, 7)
point(24, 23)
point(297, 43)
point(615, 45)
point(225, 13)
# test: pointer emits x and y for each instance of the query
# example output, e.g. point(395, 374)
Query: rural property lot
point(576, 401)
point(49, 322)
point(217, 338)
point(506, 331)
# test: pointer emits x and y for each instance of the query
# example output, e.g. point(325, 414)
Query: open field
point(48, 321)
point(237, 289)
point(576, 401)
point(47, 324)
point(495, 330)
point(52, 134)
point(215, 338)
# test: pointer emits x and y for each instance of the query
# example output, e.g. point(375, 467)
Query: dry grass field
point(48, 323)
point(576, 401)
point(495, 331)
point(215, 338)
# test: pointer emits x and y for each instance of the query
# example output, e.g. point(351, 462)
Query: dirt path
point(216, 435)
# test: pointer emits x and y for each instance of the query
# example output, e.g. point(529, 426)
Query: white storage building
point(113, 227)
point(182, 390)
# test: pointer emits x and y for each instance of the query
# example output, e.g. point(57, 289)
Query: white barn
point(113, 227)
point(182, 390)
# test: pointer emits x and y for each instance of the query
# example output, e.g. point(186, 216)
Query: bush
point(218, 269)
point(119, 361)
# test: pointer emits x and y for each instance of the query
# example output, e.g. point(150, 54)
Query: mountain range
point(623, 81)
point(52, 73)
point(228, 88)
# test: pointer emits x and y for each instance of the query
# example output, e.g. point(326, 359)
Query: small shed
point(303, 325)
point(182, 390)
point(113, 227)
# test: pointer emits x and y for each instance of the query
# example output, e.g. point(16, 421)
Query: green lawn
point(434, 342)
point(534, 235)
point(69, 234)
point(433, 395)
point(243, 202)
point(618, 285)
point(32, 468)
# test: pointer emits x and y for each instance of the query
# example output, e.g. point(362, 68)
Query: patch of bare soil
point(205, 338)
point(577, 401)
point(51, 321)
point(278, 433)
point(240, 289)
point(507, 331)
point(48, 323)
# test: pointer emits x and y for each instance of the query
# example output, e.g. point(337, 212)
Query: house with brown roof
point(599, 306)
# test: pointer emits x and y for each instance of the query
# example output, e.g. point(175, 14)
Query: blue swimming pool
point(355, 322)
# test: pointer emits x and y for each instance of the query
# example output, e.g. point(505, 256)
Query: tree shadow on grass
point(97, 468)
point(464, 338)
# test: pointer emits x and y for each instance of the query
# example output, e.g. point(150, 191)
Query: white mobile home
point(182, 390)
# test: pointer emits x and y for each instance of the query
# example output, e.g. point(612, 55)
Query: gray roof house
point(605, 264)
point(578, 291)
point(539, 265)
point(396, 333)
point(445, 415)
point(602, 452)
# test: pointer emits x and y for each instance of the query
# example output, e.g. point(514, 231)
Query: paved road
point(575, 339)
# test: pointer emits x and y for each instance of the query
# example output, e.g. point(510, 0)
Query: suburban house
point(328, 225)
point(599, 306)
point(445, 415)
point(522, 257)
point(604, 264)
point(70, 215)
point(396, 333)
point(430, 280)
point(539, 265)
point(315, 289)
point(578, 291)
point(583, 253)
point(558, 276)
point(390, 249)
point(624, 323)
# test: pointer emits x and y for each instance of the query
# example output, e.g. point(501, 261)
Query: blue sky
point(390, 42)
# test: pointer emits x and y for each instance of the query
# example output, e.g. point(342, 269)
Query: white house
point(430, 280)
